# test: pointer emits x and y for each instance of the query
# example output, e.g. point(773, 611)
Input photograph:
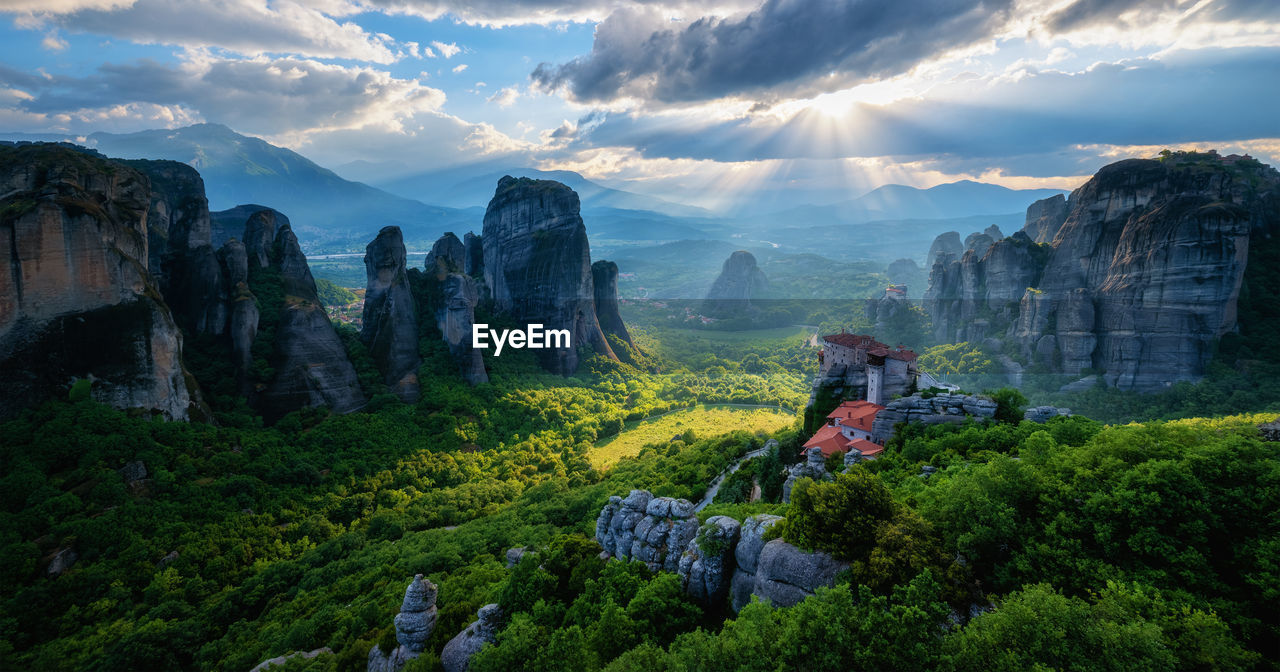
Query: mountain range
point(339, 215)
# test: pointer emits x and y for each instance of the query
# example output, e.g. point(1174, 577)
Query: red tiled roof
point(871, 345)
point(856, 414)
point(829, 439)
point(867, 448)
point(853, 341)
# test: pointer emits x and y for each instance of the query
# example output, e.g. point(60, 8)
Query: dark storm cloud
point(1187, 97)
point(783, 48)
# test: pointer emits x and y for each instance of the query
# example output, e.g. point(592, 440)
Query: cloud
point(52, 42)
point(260, 96)
point(447, 50)
point(250, 27)
point(460, 67)
point(1033, 123)
point(1083, 14)
point(60, 6)
point(783, 48)
point(505, 97)
point(501, 13)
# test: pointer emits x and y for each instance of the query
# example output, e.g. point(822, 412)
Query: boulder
point(706, 567)
point(414, 623)
point(786, 575)
point(456, 655)
point(282, 660)
point(814, 466)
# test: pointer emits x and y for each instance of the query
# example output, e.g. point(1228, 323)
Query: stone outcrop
point(993, 232)
point(229, 223)
point(706, 566)
point(447, 255)
point(1141, 278)
point(260, 236)
point(746, 555)
point(537, 265)
point(966, 296)
point(883, 312)
point(717, 560)
point(390, 323)
point(310, 362)
point(902, 271)
point(604, 278)
point(739, 284)
point(786, 575)
point(978, 244)
point(456, 655)
point(76, 296)
point(945, 244)
point(242, 313)
point(473, 255)
point(455, 318)
point(414, 623)
point(1043, 413)
point(283, 660)
point(814, 466)
point(945, 408)
point(180, 255)
point(1270, 431)
point(652, 530)
point(1045, 217)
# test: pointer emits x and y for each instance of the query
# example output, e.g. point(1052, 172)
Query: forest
point(1068, 545)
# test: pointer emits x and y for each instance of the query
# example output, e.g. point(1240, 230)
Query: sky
point(697, 102)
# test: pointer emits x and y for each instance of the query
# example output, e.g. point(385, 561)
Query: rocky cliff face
point(310, 362)
point(180, 255)
point(76, 297)
point(242, 312)
point(1045, 217)
point(537, 264)
point(969, 294)
point(390, 324)
point(1141, 278)
point(455, 318)
point(473, 255)
point(706, 567)
point(740, 282)
point(604, 278)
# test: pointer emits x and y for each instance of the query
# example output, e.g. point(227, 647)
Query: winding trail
point(715, 484)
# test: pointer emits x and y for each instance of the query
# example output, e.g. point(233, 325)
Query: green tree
point(840, 516)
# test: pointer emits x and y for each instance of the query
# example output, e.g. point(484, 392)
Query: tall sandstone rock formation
point(310, 362)
point(76, 297)
point(537, 265)
point(1141, 279)
point(604, 278)
point(181, 256)
point(739, 284)
point(390, 322)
